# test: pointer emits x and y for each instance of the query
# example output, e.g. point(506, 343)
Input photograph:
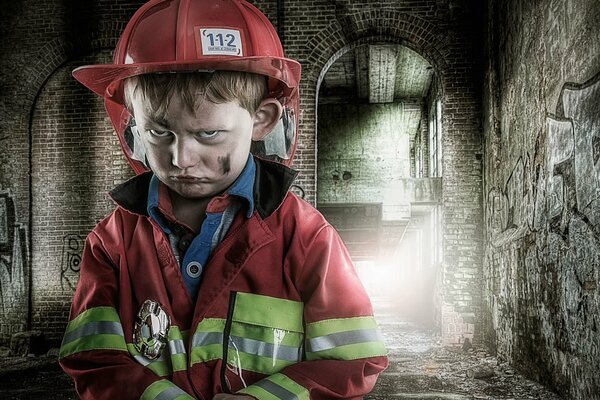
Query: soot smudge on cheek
point(225, 163)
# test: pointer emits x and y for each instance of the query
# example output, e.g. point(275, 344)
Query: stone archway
point(460, 308)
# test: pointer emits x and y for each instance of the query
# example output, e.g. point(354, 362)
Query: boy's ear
point(266, 117)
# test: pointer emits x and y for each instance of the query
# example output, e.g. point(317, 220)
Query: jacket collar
point(271, 184)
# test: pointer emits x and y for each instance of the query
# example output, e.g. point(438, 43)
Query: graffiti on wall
point(71, 260)
point(560, 178)
point(14, 286)
point(544, 242)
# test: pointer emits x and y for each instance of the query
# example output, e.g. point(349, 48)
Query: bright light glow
point(401, 281)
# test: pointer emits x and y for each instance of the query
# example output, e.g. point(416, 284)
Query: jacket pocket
point(263, 335)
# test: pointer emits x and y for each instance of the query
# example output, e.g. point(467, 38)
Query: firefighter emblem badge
point(150, 333)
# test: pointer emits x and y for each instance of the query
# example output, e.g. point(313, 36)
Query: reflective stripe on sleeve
point(164, 390)
point(94, 329)
point(172, 359)
point(161, 366)
point(207, 342)
point(277, 387)
point(344, 339)
point(177, 340)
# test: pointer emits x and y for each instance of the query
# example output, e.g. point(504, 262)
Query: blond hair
point(157, 90)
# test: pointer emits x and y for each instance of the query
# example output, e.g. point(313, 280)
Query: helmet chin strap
point(278, 141)
point(139, 151)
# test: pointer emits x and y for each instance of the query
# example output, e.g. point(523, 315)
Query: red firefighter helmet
point(198, 35)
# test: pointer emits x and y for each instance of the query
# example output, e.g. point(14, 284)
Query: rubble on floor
point(420, 368)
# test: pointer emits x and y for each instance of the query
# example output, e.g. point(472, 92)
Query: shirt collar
point(243, 187)
point(153, 204)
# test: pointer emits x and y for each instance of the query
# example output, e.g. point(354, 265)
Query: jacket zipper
point(226, 332)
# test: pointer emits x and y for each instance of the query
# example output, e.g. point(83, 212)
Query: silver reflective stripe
point(276, 390)
point(177, 346)
point(343, 338)
point(170, 394)
point(206, 338)
point(259, 348)
point(142, 360)
point(94, 328)
point(146, 361)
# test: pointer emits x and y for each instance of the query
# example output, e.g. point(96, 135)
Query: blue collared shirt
point(214, 227)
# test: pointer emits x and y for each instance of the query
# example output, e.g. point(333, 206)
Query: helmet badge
point(151, 330)
point(223, 42)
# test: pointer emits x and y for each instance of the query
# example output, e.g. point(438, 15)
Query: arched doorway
point(379, 171)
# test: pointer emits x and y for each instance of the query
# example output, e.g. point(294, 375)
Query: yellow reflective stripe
point(344, 339)
point(268, 311)
point(93, 315)
point(267, 333)
point(255, 363)
point(277, 387)
point(173, 358)
point(328, 326)
point(211, 325)
point(177, 348)
point(164, 390)
point(94, 329)
point(272, 351)
point(161, 366)
point(349, 352)
point(207, 342)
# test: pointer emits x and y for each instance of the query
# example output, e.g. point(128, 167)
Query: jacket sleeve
point(344, 350)
point(94, 351)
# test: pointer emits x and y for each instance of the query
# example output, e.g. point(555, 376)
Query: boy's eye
point(207, 134)
point(159, 134)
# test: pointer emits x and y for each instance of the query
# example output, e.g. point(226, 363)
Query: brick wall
point(76, 160)
point(542, 207)
point(53, 150)
point(40, 47)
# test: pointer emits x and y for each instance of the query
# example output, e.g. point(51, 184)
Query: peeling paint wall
point(542, 185)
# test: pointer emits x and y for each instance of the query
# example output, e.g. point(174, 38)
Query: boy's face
point(197, 155)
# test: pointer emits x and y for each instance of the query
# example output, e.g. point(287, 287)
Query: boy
point(210, 280)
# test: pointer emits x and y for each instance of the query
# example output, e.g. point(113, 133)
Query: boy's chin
point(194, 192)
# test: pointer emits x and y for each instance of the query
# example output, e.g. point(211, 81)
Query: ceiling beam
point(382, 73)
point(361, 60)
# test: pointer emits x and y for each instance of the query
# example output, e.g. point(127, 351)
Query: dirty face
point(200, 153)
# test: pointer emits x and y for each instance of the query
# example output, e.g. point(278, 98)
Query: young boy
point(210, 279)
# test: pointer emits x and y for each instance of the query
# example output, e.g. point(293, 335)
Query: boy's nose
point(185, 153)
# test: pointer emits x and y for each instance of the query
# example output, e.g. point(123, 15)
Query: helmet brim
point(104, 79)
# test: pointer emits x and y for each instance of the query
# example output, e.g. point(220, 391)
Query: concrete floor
point(419, 369)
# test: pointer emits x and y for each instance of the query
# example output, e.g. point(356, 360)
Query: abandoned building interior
point(454, 145)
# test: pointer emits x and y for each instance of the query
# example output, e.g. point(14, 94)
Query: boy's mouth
point(188, 179)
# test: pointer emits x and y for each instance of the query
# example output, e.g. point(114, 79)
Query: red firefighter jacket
point(280, 313)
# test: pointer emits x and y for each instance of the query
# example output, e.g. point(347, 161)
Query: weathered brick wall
point(54, 151)
point(41, 37)
point(542, 190)
point(76, 160)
